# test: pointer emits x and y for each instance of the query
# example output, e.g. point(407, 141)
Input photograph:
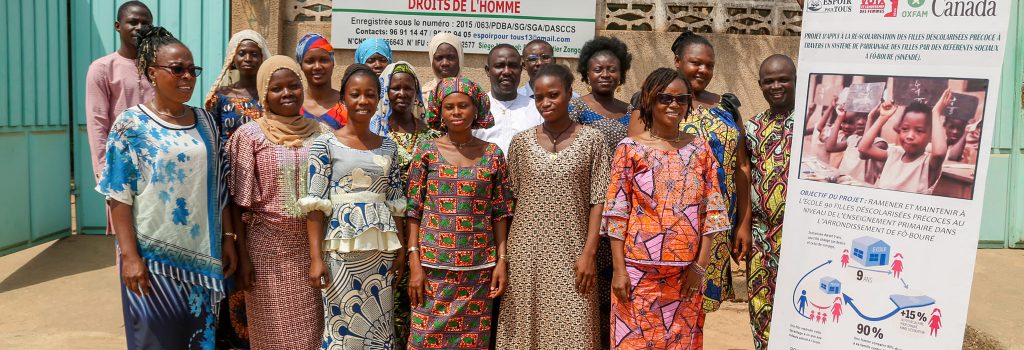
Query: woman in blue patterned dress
point(232, 101)
point(163, 181)
point(356, 207)
point(716, 118)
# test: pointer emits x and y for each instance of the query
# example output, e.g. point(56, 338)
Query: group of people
point(396, 213)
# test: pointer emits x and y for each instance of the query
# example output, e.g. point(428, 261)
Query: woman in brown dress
point(552, 300)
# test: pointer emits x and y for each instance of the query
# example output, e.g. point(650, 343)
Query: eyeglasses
point(535, 58)
point(681, 99)
point(179, 71)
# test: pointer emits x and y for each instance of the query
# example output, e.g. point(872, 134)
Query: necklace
point(457, 145)
point(676, 139)
point(172, 116)
point(555, 139)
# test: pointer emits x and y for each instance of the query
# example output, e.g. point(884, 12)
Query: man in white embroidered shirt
point(513, 112)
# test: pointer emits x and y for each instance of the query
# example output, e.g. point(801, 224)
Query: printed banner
point(408, 25)
point(897, 104)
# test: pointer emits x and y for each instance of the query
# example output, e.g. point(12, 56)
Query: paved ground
point(64, 294)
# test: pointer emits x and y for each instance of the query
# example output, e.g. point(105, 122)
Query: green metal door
point(1002, 222)
point(34, 141)
point(203, 25)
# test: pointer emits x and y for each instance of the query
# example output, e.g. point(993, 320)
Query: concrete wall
point(738, 56)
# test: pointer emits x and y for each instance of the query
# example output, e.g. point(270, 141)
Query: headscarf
point(312, 41)
point(281, 130)
point(448, 86)
point(443, 38)
point(379, 123)
point(371, 46)
point(227, 75)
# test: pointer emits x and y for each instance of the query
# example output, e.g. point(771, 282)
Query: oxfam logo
point(914, 3)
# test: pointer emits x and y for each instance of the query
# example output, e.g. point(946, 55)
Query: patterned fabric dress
point(336, 117)
point(230, 113)
point(170, 175)
point(360, 192)
point(769, 140)
point(614, 130)
point(268, 180)
point(456, 207)
point(541, 308)
point(406, 143)
point(660, 203)
point(717, 126)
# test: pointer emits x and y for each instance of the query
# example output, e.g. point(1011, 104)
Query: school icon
point(830, 285)
point(870, 251)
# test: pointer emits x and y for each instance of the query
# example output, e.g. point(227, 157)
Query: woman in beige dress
point(559, 174)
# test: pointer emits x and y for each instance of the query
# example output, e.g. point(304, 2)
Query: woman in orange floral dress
point(663, 204)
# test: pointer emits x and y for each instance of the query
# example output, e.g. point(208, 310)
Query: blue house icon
point(829, 285)
point(870, 251)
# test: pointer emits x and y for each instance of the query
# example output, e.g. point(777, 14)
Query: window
point(858, 253)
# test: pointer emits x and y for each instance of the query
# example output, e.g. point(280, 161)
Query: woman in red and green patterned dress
point(460, 205)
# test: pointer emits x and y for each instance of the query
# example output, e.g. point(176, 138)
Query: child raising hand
point(907, 168)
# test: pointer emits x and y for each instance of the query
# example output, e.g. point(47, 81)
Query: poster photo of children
point(909, 134)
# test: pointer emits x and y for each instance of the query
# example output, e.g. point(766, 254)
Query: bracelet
point(233, 236)
point(700, 270)
point(503, 257)
point(412, 249)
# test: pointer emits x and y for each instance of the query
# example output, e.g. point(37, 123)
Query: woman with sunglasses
point(662, 207)
point(716, 119)
point(164, 182)
point(323, 103)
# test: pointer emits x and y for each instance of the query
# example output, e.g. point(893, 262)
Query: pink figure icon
point(846, 258)
point(814, 316)
point(935, 323)
point(897, 265)
point(837, 309)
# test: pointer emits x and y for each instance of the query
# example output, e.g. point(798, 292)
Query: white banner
point(880, 236)
point(408, 25)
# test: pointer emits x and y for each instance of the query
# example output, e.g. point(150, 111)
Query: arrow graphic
point(849, 301)
point(905, 286)
point(801, 281)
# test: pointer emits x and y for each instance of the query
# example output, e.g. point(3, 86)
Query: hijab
point(379, 123)
point(229, 75)
point(288, 131)
point(448, 86)
point(443, 38)
point(372, 46)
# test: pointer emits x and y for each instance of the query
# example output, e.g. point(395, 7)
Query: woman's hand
point(586, 273)
point(417, 283)
point(620, 286)
point(499, 280)
point(318, 276)
point(692, 280)
point(135, 274)
point(229, 257)
point(741, 244)
point(398, 267)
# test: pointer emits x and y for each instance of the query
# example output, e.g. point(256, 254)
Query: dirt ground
point(64, 294)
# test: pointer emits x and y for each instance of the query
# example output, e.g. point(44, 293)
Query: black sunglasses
point(179, 71)
point(535, 58)
point(681, 99)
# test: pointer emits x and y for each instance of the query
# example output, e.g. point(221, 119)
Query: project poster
point(408, 25)
point(896, 104)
